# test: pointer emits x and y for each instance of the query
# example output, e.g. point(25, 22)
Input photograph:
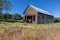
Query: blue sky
point(52, 6)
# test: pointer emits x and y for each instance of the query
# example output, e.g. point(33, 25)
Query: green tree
point(56, 20)
point(17, 16)
point(7, 16)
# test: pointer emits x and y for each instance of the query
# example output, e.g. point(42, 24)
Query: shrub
point(57, 20)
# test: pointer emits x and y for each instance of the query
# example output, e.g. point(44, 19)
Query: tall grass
point(28, 31)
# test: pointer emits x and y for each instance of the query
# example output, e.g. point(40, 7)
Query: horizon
point(52, 6)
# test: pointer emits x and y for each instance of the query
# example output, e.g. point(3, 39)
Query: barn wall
point(49, 19)
point(44, 18)
point(30, 11)
point(39, 18)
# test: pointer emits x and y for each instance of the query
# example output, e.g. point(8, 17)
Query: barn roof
point(40, 10)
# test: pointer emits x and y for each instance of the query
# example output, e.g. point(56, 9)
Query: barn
point(33, 14)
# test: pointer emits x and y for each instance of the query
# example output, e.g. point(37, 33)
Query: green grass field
point(28, 31)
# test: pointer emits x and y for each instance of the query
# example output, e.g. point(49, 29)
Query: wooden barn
point(33, 14)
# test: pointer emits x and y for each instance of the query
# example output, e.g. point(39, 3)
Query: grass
point(28, 31)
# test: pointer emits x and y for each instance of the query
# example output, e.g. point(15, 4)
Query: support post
point(41, 18)
point(45, 19)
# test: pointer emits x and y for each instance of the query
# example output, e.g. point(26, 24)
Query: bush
point(17, 16)
point(10, 17)
point(57, 20)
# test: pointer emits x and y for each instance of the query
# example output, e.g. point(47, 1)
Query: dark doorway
point(29, 19)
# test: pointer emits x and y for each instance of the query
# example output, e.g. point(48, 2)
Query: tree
point(1, 4)
point(4, 5)
point(57, 20)
point(17, 16)
point(7, 16)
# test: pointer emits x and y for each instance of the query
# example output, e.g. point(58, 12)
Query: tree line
point(6, 5)
point(7, 16)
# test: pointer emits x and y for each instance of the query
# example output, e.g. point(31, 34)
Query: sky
point(52, 6)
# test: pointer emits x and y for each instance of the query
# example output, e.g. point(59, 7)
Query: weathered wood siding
point(30, 11)
point(39, 18)
point(49, 19)
point(44, 18)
